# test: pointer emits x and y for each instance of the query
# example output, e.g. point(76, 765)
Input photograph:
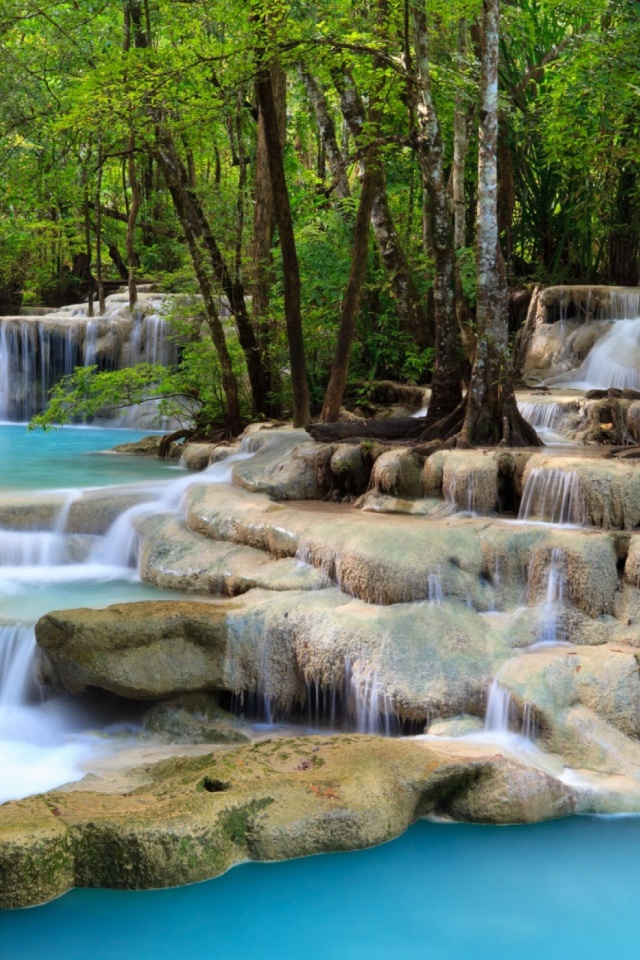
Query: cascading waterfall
point(17, 685)
point(436, 593)
point(501, 716)
point(614, 360)
point(118, 547)
point(552, 496)
point(498, 714)
point(541, 415)
point(36, 352)
point(552, 631)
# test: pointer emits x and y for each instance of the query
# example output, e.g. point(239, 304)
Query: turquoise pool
point(72, 457)
point(554, 891)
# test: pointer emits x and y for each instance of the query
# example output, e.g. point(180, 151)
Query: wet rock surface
point(194, 817)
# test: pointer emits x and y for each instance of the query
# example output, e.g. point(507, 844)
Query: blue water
point(554, 891)
point(71, 457)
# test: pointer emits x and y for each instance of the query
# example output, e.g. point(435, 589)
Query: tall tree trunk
point(460, 150)
point(290, 266)
point(411, 310)
point(98, 216)
point(87, 241)
point(327, 131)
point(352, 298)
point(492, 415)
point(232, 288)
point(264, 224)
point(134, 209)
point(446, 388)
point(205, 275)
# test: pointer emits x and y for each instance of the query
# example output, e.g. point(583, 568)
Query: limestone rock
point(278, 799)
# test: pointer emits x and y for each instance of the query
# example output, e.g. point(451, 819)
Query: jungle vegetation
point(360, 182)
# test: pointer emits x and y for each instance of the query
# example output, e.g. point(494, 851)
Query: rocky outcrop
point(596, 492)
point(196, 817)
point(408, 662)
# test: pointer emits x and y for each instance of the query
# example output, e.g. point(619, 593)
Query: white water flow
point(119, 546)
point(614, 360)
point(436, 594)
point(37, 548)
point(497, 718)
point(38, 747)
point(552, 631)
point(551, 496)
point(37, 351)
point(44, 741)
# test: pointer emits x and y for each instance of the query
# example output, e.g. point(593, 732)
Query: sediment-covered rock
point(274, 800)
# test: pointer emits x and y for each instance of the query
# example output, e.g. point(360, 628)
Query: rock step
point(283, 798)
point(173, 557)
point(384, 559)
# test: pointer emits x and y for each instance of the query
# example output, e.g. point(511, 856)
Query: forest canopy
point(317, 168)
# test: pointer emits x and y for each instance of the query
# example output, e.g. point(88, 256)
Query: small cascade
point(497, 718)
point(541, 415)
point(501, 716)
point(158, 347)
point(552, 496)
point(371, 706)
point(36, 352)
point(614, 360)
point(89, 357)
point(119, 546)
point(18, 687)
point(421, 412)
point(552, 630)
point(436, 594)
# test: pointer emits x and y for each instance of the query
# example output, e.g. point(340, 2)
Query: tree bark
point(327, 130)
point(492, 415)
point(173, 175)
point(134, 209)
point(264, 225)
point(87, 240)
point(411, 311)
point(352, 298)
point(446, 388)
point(98, 215)
point(460, 150)
point(291, 269)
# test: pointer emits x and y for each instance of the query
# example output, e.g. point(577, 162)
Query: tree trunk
point(134, 209)
point(233, 289)
point(460, 150)
point(351, 302)
point(446, 388)
point(492, 415)
point(98, 215)
point(291, 270)
point(87, 240)
point(411, 311)
point(173, 175)
point(264, 225)
point(327, 130)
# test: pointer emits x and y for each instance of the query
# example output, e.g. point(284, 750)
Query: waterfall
point(551, 495)
point(37, 548)
point(436, 595)
point(118, 547)
point(614, 360)
point(17, 655)
point(541, 415)
point(551, 609)
point(501, 715)
point(37, 351)
point(498, 711)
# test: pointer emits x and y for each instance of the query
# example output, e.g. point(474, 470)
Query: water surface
point(556, 891)
point(72, 457)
